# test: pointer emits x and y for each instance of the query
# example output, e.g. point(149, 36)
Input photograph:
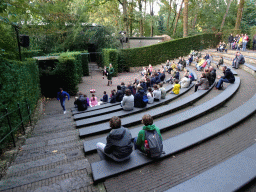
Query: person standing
point(245, 41)
point(61, 96)
point(110, 70)
point(230, 40)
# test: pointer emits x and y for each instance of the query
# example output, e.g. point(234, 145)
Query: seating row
point(174, 120)
point(231, 175)
point(114, 108)
point(107, 168)
point(90, 145)
point(122, 113)
point(106, 105)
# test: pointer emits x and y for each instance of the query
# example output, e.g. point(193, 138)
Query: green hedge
point(31, 53)
point(159, 53)
point(19, 82)
point(66, 73)
point(111, 56)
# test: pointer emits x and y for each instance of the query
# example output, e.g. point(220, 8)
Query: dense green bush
point(31, 53)
point(19, 82)
point(111, 56)
point(159, 53)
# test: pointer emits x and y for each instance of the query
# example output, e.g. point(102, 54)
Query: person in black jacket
point(119, 94)
point(230, 40)
point(212, 75)
point(228, 77)
point(119, 142)
point(138, 98)
point(81, 103)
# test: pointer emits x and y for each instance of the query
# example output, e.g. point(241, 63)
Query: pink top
point(94, 102)
point(150, 68)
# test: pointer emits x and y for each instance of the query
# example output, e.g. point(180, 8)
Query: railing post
point(29, 113)
point(10, 126)
point(21, 119)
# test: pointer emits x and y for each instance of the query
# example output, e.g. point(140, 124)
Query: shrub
point(85, 62)
point(19, 82)
point(31, 53)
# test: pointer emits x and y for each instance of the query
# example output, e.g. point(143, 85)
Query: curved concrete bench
point(90, 145)
point(107, 168)
point(122, 113)
point(231, 175)
point(109, 109)
point(181, 118)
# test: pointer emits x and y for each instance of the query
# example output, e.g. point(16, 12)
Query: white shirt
point(157, 94)
point(150, 98)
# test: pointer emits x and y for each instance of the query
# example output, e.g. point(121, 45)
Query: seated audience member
point(201, 64)
point(128, 100)
point(129, 86)
point(119, 142)
point(138, 98)
point(190, 60)
point(119, 94)
point(141, 141)
point(167, 65)
point(163, 91)
point(94, 101)
point(105, 97)
point(143, 85)
point(220, 62)
point(227, 78)
point(153, 79)
point(203, 83)
point(81, 102)
point(174, 75)
point(123, 87)
point(173, 66)
point(157, 79)
point(148, 82)
point(176, 88)
point(156, 93)
point(191, 77)
point(207, 56)
point(113, 96)
point(144, 71)
point(209, 60)
point(239, 60)
point(212, 76)
point(150, 95)
point(185, 82)
point(162, 75)
point(136, 81)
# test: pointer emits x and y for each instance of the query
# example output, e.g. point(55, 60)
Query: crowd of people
point(238, 42)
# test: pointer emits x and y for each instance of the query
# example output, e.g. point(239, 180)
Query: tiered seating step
point(109, 109)
point(122, 113)
point(230, 175)
point(90, 145)
point(107, 168)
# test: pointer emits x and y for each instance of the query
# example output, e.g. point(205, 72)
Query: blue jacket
point(62, 96)
point(138, 99)
point(105, 98)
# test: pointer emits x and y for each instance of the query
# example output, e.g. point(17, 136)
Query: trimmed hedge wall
point(66, 73)
point(85, 63)
point(19, 82)
point(31, 53)
point(111, 56)
point(158, 53)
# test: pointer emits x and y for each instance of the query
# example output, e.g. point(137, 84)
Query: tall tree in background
point(141, 18)
point(185, 19)
point(224, 17)
point(177, 19)
point(169, 14)
point(151, 5)
point(239, 14)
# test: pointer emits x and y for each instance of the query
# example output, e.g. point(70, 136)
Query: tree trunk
point(177, 18)
point(239, 14)
point(131, 18)
point(152, 19)
point(194, 22)
point(141, 21)
point(144, 15)
point(126, 25)
point(223, 21)
point(169, 14)
point(185, 19)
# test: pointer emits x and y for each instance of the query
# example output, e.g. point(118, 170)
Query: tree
point(185, 19)
point(224, 17)
point(177, 19)
point(169, 14)
point(239, 14)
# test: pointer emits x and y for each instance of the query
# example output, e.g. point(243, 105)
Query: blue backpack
point(145, 99)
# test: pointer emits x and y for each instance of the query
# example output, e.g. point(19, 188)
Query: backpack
point(155, 143)
point(192, 77)
point(145, 99)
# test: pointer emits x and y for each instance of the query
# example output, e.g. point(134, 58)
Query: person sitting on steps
point(238, 60)
point(228, 77)
point(119, 142)
point(220, 62)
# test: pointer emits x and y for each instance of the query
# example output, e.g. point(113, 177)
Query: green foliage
point(159, 53)
point(19, 82)
point(111, 56)
point(31, 53)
